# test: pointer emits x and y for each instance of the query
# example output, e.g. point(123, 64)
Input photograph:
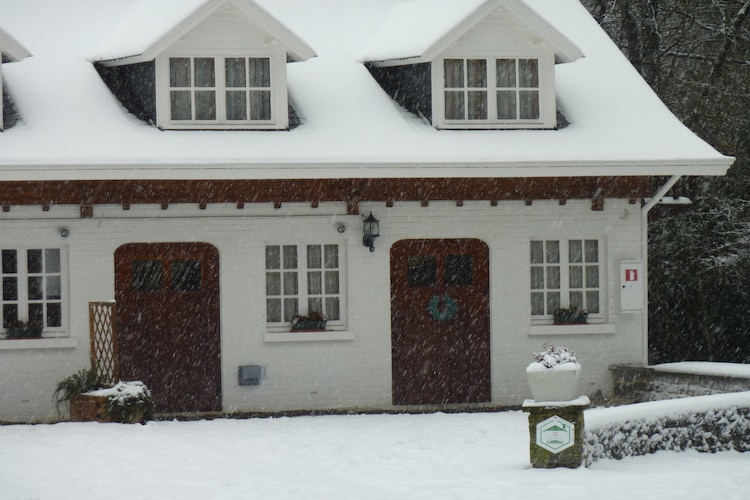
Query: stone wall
point(634, 383)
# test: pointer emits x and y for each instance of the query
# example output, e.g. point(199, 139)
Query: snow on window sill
point(43, 343)
point(587, 329)
point(323, 336)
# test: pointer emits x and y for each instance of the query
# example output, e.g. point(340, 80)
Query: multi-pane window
point(493, 90)
point(465, 89)
point(220, 90)
point(301, 279)
point(517, 84)
point(565, 274)
point(32, 286)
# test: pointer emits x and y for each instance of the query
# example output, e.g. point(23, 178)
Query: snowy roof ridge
point(151, 25)
point(11, 49)
point(403, 37)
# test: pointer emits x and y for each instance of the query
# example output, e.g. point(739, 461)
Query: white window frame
point(22, 274)
point(278, 89)
point(565, 289)
point(303, 293)
point(547, 106)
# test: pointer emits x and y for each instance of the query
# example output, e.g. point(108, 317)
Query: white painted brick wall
point(310, 375)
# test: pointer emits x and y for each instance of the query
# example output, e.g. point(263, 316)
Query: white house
point(210, 165)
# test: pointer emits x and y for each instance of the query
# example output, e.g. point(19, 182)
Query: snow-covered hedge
point(711, 425)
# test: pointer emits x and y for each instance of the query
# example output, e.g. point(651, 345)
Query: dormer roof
point(11, 49)
point(417, 31)
point(151, 26)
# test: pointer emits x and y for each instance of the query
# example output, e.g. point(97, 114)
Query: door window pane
point(422, 271)
point(186, 275)
point(147, 275)
point(458, 270)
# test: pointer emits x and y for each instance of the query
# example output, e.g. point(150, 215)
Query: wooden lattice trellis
point(103, 331)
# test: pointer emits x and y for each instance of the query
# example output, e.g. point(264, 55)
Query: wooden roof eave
point(350, 191)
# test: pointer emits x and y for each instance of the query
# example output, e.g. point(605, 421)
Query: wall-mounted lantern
point(370, 230)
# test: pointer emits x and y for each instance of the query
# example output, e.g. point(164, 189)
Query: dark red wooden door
point(440, 321)
point(168, 313)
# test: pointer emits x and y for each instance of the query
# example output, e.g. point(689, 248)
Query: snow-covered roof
point(407, 35)
point(150, 25)
point(11, 49)
point(72, 127)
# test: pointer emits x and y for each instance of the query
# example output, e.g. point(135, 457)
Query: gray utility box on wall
point(250, 374)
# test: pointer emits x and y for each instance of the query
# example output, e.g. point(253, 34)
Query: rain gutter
point(645, 209)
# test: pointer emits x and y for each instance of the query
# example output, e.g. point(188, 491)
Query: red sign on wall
point(631, 274)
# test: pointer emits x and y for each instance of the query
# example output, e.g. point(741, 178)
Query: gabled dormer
point(10, 51)
point(202, 64)
point(472, 64)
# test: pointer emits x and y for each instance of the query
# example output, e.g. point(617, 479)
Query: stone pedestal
point(556, 432)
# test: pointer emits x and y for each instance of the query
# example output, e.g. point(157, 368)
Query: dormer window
point(220, 65)
point(494, 92)
point(220, 90)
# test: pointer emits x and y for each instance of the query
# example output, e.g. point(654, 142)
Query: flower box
point(24, 330)
point(313, 322)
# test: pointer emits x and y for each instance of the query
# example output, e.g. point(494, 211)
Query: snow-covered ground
point(436, 456)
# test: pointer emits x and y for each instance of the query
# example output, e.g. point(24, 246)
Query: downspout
point(645, 209)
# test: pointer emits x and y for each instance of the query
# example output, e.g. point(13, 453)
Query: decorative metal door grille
point(103, 331)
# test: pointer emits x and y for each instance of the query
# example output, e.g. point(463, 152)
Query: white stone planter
point(558, 383)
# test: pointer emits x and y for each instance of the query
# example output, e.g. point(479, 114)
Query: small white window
point(33, 287)
point(302, 279)
point(565, 273)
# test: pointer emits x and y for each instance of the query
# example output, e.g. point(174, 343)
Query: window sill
point(588, 329)
point(44, 343)
point(324, 336)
